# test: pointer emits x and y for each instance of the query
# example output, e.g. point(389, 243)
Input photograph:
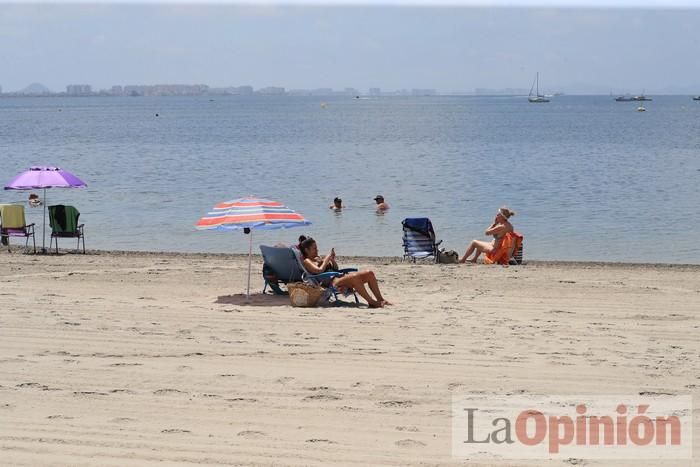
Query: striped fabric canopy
point(253, 213)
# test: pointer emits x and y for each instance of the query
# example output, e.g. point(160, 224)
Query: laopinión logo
point(559, 427)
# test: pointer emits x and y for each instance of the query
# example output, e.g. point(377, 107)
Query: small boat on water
point(536, 98)
point(641, 109)
point(629, 98)
point(642, 97)
point(696, 98)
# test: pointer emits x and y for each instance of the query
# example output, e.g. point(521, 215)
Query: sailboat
point(537, 98)
point(642, 97)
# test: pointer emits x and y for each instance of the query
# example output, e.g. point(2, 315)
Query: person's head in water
point(308, 247)
point(34, 200)
point(504, 214)
point(337, 203)
point(381, 204)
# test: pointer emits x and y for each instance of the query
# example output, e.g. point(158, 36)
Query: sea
point(591, 179)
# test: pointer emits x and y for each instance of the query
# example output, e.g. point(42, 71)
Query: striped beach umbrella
point(249, 214)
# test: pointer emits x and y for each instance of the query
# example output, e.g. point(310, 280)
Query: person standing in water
point(381, 204)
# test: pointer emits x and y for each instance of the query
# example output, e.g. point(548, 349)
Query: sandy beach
point(133, 359)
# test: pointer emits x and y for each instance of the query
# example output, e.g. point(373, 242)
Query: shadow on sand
point(260, 299)
point(257, 299)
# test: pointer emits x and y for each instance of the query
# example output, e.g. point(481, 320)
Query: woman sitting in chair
point(500, 247)
point(353, 280)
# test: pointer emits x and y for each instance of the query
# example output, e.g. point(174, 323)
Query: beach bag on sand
point(304, 295)
point(448, 257)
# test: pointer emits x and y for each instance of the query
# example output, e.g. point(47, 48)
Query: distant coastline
point(86, 90)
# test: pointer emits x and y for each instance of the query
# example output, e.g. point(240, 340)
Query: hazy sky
point(447, 48)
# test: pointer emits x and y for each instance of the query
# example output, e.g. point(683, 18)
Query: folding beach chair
point(510, 250)
point(13, 224)
point(282, 265)
point(516, 256)
point(419, 239)
point(64, 224)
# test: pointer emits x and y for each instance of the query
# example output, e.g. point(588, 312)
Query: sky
point(458, 46)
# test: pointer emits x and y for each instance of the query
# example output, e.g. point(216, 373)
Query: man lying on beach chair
point(284, 265)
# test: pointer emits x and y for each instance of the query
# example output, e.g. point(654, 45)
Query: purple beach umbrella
point(43, 177)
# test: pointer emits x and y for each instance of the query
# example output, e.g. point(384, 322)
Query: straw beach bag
point(303, 294)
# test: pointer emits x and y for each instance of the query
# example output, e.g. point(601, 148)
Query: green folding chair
point(64, 224)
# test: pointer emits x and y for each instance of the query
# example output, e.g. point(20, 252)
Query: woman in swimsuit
point(500, 227)
point(353, 280)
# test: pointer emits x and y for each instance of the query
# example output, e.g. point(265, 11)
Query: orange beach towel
point(509, 245)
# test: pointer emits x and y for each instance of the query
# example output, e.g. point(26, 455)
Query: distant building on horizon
point(79, 90)
point(423, 92)
point(271, 91)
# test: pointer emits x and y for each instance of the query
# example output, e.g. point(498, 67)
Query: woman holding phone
point(314, 264)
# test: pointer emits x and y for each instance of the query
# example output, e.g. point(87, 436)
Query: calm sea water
point(591, 179)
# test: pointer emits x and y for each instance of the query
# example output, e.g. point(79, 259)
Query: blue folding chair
point(419, 239)
point(282, 265)
point(279, 267)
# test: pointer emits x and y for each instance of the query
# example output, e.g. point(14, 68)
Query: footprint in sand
point(175, 430)
point(319, 440)
point(410, 443)
point(251, 434)
point(89, 393)
point(241, 399)
point(396, 403)
point(321, 397)
point(161, 392)
point(59, 417)
point(412, 429)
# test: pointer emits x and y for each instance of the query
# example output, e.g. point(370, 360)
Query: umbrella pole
point(250, 255)
point(43, 239)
